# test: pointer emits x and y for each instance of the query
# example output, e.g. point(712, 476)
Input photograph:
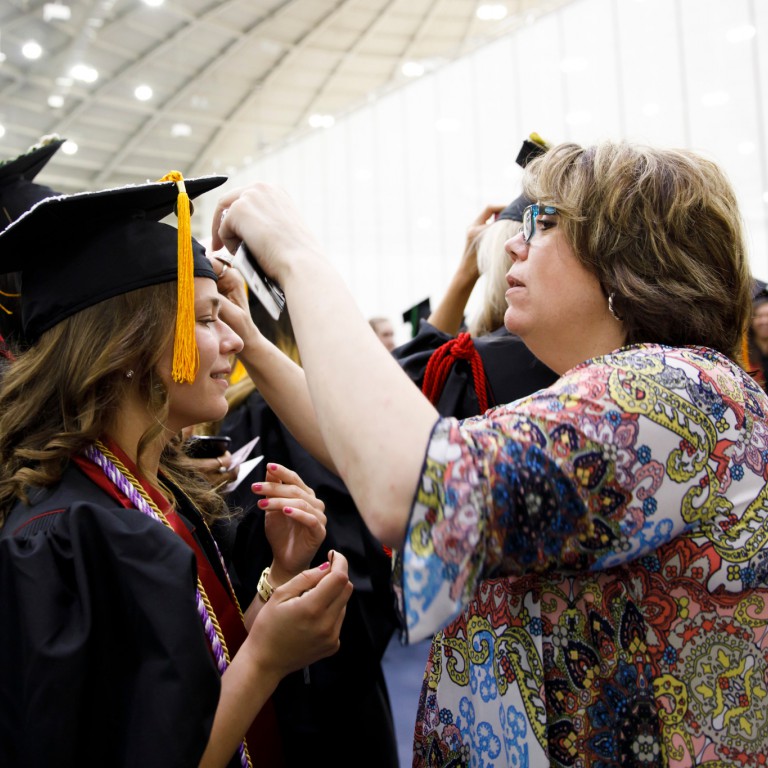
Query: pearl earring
point(611, 309)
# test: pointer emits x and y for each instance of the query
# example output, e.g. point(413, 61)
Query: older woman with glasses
point(625, 506)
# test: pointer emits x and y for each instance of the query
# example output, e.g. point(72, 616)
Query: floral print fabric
point(597, 557)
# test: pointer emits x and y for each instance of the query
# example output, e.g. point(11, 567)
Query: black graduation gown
point(338, 712)
point(103, 659)
point(511, 370)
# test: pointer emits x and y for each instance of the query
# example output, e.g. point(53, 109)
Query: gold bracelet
point(264, 588)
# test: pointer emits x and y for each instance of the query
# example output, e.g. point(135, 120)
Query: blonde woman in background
point(465, 372)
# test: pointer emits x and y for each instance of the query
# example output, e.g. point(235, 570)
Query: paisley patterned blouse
point(597, 556)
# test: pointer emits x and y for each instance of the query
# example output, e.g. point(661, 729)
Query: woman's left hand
point(218, 471)
point(294, 524)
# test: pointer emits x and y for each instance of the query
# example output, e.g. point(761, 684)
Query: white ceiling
point(244, 75)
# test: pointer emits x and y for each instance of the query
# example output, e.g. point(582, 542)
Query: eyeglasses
point(529, 218)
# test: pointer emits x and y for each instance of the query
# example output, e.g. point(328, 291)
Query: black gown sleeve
point(103, 656)
point(336, 712)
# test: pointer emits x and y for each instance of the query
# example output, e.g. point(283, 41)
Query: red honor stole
point(263, 736)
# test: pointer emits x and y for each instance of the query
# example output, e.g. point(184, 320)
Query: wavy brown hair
point(65, 391)
point(661, 230)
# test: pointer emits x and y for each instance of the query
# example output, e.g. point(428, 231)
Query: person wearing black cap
point(18, 193)
point(463, 373)
point(121, 642)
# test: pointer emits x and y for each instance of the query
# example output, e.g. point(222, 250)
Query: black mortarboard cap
point(74, 251)
point(18, 191)
point(416, 314)
point(514, 211)
point(532, 147)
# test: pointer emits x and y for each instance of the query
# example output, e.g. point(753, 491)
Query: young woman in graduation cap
point(121, 642)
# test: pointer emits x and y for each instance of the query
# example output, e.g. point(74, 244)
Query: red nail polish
point(263, 502)
point(288, 510)
point(324, 566)
point(256, 487)
point(272, 467)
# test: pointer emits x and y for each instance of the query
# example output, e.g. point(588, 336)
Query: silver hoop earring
point(613, 312)
point(129, 373)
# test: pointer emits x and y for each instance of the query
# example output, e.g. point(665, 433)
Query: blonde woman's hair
point(65, 391)
point(661, 231)
point(493, 263)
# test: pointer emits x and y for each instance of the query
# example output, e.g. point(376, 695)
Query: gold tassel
point(745, 361)
point(10, 296)
point(186, 359)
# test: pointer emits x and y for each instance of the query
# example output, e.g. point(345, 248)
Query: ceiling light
point(143, 92)
point(56, 12)
point(84, 72)
point(412, 69)
point(491, 11)
point(69, 147)
point(180, 130)
point(321, 121)
point(32, 49)
point(56, 101)
point(270, 47)
point(715, 99)
point(740, 34)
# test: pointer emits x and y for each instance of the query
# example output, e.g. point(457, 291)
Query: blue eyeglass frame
point(529, 218)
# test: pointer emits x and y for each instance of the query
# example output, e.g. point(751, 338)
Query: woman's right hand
point(300, 623)
point(264, 218)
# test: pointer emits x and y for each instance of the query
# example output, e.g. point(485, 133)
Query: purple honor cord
point(125, 486)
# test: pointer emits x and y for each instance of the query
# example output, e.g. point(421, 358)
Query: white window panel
point(589, 72)
point(652, 86)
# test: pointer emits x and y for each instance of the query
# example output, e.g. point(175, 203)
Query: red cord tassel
point(441, 362)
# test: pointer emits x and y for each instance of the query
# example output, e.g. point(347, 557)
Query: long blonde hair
point(493, 264)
